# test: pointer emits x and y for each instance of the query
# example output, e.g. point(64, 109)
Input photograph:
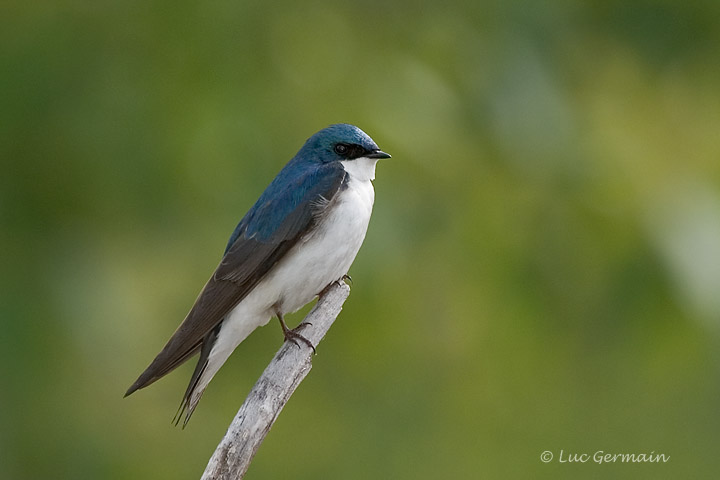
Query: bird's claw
point(345, 278)
point(293, 336)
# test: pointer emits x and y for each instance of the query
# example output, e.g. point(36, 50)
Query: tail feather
point(213, 354)
point(151, 374)
point(187, 405)
point(194, 391)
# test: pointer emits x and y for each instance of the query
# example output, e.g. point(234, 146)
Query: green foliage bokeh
point(542, 270)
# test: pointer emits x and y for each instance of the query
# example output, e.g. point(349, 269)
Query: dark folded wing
point(282, 215)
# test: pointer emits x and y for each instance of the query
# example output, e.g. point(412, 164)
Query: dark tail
point(155, 371)
point(186, 406)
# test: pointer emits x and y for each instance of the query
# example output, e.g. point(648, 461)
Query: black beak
point(378, 154)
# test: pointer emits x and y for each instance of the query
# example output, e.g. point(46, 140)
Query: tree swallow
point(301, 235)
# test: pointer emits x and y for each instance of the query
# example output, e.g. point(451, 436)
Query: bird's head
point(340, 142)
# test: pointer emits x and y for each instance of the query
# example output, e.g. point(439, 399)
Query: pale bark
point(272, 391)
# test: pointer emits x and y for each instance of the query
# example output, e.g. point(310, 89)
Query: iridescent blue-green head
point(340, 142)
point(331, 156)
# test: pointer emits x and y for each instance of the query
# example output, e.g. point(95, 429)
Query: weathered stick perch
point(272, 391)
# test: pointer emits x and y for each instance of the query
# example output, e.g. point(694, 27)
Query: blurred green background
point(542, 270)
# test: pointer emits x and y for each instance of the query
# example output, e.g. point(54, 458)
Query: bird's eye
point(341, 149)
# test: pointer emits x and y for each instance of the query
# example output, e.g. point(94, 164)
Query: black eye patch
point(350, 151)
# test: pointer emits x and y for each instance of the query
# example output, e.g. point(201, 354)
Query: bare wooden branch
point(272, 391)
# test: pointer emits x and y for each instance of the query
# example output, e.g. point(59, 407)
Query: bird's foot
point(345, 278)
point(293, 335)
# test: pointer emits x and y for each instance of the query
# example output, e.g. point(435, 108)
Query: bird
point(300, 236)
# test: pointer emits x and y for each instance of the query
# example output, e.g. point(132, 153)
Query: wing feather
point(282, 215)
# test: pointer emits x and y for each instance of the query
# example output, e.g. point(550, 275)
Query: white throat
point(361, 169)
